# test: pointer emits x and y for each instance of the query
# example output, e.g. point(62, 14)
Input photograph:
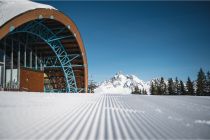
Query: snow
point(203, 122)
point(11, 8)
point(103, 116)
point(121, 83)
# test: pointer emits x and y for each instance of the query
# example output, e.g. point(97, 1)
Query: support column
point(31, 58)
point(4, 65)
point(18, 69)
point(11, 65)
point(40, 61)
point(36, 58)
point(25, 51)
point(25, 55)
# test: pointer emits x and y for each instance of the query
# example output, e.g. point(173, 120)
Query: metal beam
point(74, 57)
point(60, 30)
point(58, 66)
point(53, 61)
point(59, 38)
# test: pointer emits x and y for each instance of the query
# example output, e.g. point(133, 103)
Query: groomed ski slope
point(103, 116)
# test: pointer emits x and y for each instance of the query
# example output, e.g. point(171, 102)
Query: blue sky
point(148, 39)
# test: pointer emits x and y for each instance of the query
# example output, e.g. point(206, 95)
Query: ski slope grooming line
point(103, 116)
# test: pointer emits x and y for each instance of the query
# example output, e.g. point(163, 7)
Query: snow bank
point(112, 90)
point(11, 8)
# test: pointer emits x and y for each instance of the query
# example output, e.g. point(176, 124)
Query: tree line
point(136, 90)
point(199, 87)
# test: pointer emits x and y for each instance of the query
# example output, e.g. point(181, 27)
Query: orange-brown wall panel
point(31, 80)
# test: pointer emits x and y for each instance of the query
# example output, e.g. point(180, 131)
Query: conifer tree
point(182, 88)
point(152, 89)
point(159, 92)
point(170, 86)
point(145, 92)
point(136, 90)
point(177, 86)
point(190, 87)
point(208, 83)
point(162, 86)
point(157, 87)
point(140, 91)
point(201, 83)
point(132, 92)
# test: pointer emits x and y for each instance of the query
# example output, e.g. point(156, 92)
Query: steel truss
point(54, 82)
point(53, 62)
point(38, 29)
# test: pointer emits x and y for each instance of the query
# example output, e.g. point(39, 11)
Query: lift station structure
point(41, 49)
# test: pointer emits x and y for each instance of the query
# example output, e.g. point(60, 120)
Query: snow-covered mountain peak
point(119, 77)
point(121, 83)
point(136, 79)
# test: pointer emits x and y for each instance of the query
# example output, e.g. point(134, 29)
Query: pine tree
point(140, 91)
point(152, 89)
point(136, 90)
point(170, 86)
point(156, 87)
point(159, 90)
point(208, 83)
point(158, 84)
point(201, 83)
point(162, 86)
point(182, 88)
point(190, 87)
point(133, 91)
point(145, 92)
point(177, 86)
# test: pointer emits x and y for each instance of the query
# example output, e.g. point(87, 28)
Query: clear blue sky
point(148, 39)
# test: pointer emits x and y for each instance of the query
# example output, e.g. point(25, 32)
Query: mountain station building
point(41, 49)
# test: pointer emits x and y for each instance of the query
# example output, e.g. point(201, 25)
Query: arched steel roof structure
point(55, 37)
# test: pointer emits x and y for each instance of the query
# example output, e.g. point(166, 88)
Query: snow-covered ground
point(103, 116)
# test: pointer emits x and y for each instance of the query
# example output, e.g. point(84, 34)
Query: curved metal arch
point(40, 30)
